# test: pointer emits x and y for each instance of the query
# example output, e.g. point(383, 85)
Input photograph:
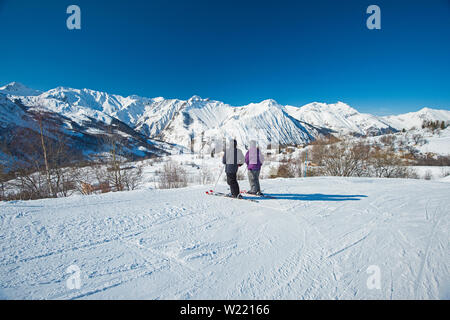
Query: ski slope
point(315, 241)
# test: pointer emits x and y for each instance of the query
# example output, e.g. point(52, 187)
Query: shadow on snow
point(313, 197)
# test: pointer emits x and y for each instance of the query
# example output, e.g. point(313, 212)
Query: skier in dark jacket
point(233, 158)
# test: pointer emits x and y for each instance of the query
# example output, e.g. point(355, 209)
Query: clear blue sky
point(238, 52)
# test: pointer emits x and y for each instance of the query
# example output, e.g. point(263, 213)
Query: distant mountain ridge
point(20, 129)
point(341, 118)
point(177, 121)
point(415, 119)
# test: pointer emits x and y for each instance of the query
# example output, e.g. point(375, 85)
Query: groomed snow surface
point(315, 241)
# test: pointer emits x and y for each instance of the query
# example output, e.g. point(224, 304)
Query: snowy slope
point(415, 119)
point(10, 113)
point(339, 117)
point(315, 241)
point(436, 143)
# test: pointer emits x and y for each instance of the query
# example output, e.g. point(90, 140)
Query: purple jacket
point(254, 159)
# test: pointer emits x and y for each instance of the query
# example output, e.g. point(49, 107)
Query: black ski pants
point(232, 182)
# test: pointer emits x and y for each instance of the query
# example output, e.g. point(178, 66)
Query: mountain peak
point(265, 103)
point(195, 98)
point(18, 89)
point(425, 109)
point(338, 107)
point(13, 85)
point(270, 102)
point(343, 104)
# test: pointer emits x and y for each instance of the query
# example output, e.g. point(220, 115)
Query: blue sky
point(238, 52)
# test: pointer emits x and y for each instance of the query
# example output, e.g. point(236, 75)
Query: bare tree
point(418, 139)
point(51, 190)
point(386, 164)
point(172, 176)
point(428, 175)
point(345, 159)
point(3, 180)
point(113, 160)
point(206, 175)
point(388, 139)
point(132, 176)
point(285, 170)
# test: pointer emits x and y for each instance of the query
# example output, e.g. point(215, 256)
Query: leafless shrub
point(384, 163)
point(172, 176)
point(284, 159)
point(157, 160)
point(342, 159)
point(418, 139)
point(412, 151)
point(285, 170)
point(119, 177)
point(326, 140)
point(401, 142)
point(272, 172)
point(388, 140)
point(86, 188)
point(410, 173)
point(445, 172)
point(112, 170)
point(3, 181)
point(318, 153)
point(99, 172)
point(132, 177)
point(359, 159)
point(45, 166)
point(314, 172)
point(28, 185)
point(320, 148)
point(42, 162)
point(428, 175)
point(289, 150)
point(431, 159)
point(104, 187)
point(206, 176)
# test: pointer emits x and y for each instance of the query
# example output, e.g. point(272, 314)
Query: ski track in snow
point(315, 241)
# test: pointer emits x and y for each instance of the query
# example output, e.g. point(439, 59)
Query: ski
point(258, 195)
point(221, 194)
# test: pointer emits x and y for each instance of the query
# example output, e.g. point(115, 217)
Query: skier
point(254, 160)
point(233, 158)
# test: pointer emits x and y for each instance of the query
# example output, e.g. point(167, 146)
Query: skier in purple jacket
point(254, 160)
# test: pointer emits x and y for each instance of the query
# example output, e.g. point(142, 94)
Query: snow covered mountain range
point(177, 121)
point(88, 134)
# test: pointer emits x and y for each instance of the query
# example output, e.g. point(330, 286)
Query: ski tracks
point(434, 218)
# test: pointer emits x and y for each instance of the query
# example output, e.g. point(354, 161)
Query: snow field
point(315, 241)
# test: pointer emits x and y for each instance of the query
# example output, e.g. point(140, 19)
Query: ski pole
point(221, 171)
